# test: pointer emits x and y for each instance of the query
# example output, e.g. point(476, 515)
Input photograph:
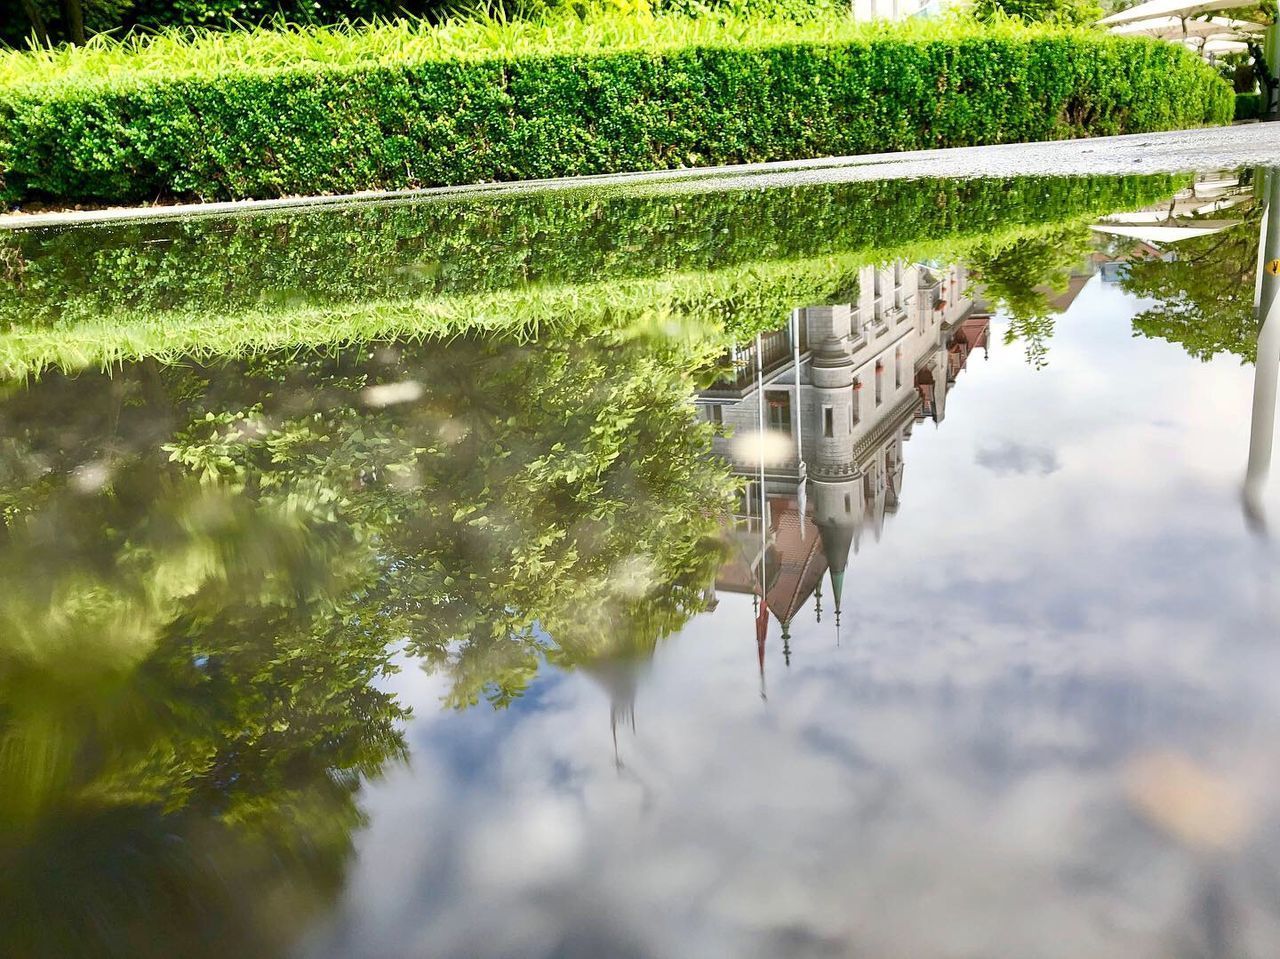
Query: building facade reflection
point(815, 416)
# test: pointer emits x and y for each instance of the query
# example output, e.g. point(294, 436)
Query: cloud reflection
point(1005, 459)
point(1048, 731)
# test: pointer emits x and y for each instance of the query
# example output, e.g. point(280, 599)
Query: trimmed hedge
point(1248, 106)
point(316, 128)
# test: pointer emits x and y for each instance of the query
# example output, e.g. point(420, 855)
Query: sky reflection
point(616, 636)
point(1047, 730)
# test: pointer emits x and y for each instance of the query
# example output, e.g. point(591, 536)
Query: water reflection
point(1018, 697)
point(208, 568)
point(1267, 358)
point(1198, 264)
point(814, 416)
point(734, 258)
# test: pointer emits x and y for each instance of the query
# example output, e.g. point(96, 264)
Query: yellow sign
point(1273, 267)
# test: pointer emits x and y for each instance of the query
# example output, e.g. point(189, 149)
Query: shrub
point(271, 114)
point(1248, 106)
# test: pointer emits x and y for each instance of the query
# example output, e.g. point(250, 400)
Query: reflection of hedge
point(694, 305)
point(461, 246)
point(823, 89)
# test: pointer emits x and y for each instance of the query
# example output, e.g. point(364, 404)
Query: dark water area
point(875, 569)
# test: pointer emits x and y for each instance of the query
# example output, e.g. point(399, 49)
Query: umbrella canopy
point(1165, 233)
point(1218, 45)
point(1167, 8)
point(1175, 28)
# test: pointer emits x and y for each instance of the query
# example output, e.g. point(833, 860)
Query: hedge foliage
point(733, 261)
point(1248, 106)
point(344, 124)
point(475, 244)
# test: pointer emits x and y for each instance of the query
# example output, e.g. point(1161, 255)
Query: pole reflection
point(1263, 419)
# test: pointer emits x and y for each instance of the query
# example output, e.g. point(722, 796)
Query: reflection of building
point(827, 405)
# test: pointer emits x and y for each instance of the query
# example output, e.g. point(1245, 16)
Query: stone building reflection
point(815, 416)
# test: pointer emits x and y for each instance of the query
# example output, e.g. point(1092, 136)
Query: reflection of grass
point(733, 302)
point(453, 245)
point(740, 263)
point(696, 304)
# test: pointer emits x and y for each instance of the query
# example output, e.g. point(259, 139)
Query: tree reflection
point(1206, 293)
point(1023, 278)
point(207, 570)
point(181, 733)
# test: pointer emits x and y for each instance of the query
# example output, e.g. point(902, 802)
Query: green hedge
point(1248, 106)
point(316, 128)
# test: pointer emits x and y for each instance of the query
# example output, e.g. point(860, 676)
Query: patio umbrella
point(1166, 232)
point(1175, 28)
point(1181, 9)
point(1218, 45)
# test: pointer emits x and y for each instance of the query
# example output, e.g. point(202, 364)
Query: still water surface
point(466, 581)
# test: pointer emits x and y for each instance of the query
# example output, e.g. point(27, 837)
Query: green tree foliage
point(1023, 278)
point(1205, 294)
point(1060, 12)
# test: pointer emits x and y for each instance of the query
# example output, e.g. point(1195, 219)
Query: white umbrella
point(1167, 8)
point(1175, 28)
point(1164, 233)
point(1218, 45)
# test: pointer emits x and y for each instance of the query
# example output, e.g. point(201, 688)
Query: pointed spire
point(837, 587)
point(817, 601)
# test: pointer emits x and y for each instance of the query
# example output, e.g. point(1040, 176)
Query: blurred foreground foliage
point(210, 568)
